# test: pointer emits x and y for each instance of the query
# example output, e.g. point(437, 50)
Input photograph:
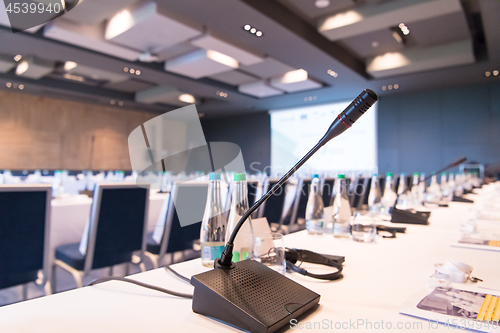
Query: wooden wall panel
point(46, 133)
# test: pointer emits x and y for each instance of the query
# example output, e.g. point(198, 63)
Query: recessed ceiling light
point(396, 86)
point(112, 102)
point(332, 73)
point(384, 88)
point(404, 28)
point(221, 94)
point(375, 44)
point(487, 73)
point(495, 72)
point(131, 71)
point(247, 27)
point(125, 69)
point(21, 87)
point(187, 98)
point(8, 84)
point(120, 103)
point(18, 57)
point(258, 33)
point(201, 115)
point(253, 30)
point(322, 3)
point(137, 72)
point(69, 65)
point(389, 87)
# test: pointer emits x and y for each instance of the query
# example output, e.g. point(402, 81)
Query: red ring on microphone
point(342, 120)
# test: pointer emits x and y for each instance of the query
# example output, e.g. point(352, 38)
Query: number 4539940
point(32, 8)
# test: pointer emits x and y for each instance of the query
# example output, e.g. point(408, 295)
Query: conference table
point(378, 278)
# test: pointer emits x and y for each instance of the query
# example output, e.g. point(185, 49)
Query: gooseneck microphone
point(449, 166)
point(248, 294)
point(343, 121)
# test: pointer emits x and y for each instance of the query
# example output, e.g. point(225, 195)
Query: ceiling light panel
point(34, 68)
point(421, 59)
point(234, 77)
point(97, 74)
point(201, 63)
point(268, 68)
point(93, 12)
point(6, 63)
point(240, 53)
point(259, 89)
point(89, 37)
point(369, 18)
point(297, 80)
point(148, 26)
point(163, 94)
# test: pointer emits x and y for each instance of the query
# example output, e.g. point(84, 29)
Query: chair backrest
point(359, 193)
point(273, 208)
point(300, 203)
point(175, 237)
point(327, 191)
point(118, 222)
point(24, 233)
point(253, 187)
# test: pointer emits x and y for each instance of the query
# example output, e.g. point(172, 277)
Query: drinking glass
point(363, 228)
point(269, 250)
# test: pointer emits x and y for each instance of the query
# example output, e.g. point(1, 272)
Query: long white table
point(378, 277)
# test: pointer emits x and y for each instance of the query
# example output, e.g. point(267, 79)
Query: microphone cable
point(145, 285)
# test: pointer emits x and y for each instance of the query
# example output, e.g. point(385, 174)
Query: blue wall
point(417, 132)
point(424, 131)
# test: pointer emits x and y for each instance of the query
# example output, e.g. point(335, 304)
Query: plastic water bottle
point(451, 187)
point(415, 190)
point(213, 225)
point(444, 186)
point(389, 198)
point(314, 209)
point(375, 197)
point(433, 191)
point(239, 206)
point(459, 187)
point(402, 196)
point(422, 187)
point(341, 210)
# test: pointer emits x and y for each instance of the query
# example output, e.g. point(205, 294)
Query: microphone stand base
point(251, 296)
point(461, 199)
point(409, 217)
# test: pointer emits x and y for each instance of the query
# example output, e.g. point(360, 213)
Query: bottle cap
point(389, 174)
point(375, 175)
point(402, 174)
point(443, 173)
point(315, 175)
point(214, 176)
point(239, 177)
point(415, 173)
point(341, 176)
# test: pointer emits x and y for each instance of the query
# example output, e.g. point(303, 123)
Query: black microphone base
point(409, 217)
point(251, 296)
point(461, 199)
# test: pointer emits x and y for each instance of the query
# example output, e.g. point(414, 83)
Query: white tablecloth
point(378, 277)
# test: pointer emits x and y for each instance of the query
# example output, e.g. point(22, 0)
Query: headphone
point(294, 255)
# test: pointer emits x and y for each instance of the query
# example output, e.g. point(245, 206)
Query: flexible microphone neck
point(449, 166)
point(344, 120)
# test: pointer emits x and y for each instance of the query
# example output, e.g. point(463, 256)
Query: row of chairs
point(117, 231)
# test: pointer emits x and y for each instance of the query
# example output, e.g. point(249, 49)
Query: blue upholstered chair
point(176, 238)
point(116, 229)
point(24, 235)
